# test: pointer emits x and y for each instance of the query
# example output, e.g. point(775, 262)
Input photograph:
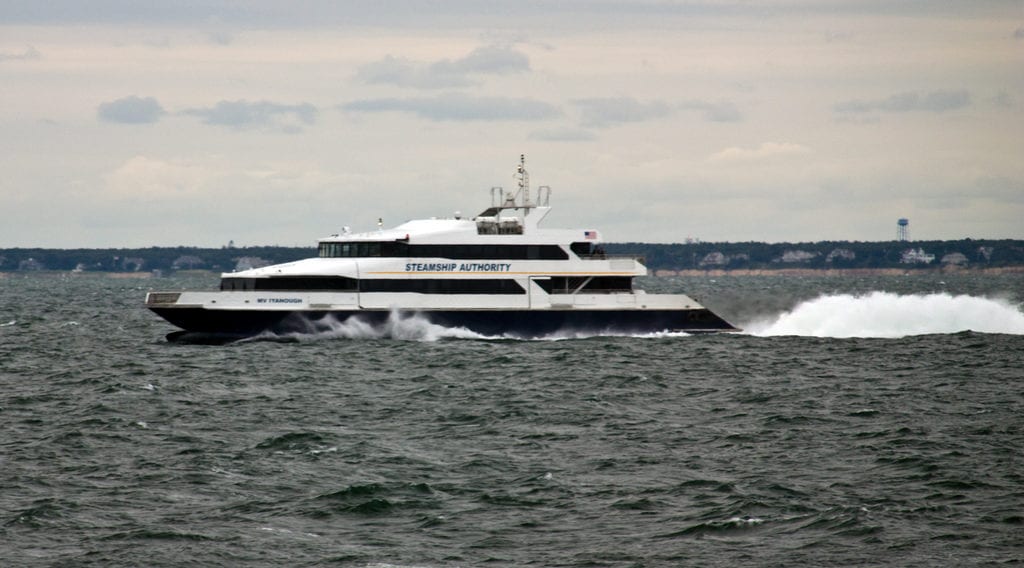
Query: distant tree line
point(677, 256)
point(165, 259)
point(825, 254)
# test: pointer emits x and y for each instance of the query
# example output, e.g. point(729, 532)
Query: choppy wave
point(568, 335)
point(888, 315)
point(717, 451)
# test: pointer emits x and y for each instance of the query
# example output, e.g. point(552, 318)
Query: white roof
point(464, 231)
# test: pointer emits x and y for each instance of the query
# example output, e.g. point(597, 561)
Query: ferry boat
point(496, 274)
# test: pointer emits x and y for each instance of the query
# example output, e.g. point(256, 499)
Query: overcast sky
point(128, 123)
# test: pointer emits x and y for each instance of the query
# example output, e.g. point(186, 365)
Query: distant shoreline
point(690, 259)
point(690, 273)
point(73, 274)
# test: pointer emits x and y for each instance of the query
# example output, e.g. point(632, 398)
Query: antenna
point(523, 178)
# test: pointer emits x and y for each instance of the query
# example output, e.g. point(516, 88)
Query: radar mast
point(519, 203)
point(523, 179)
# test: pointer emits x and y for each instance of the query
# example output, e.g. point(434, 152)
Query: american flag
point(589, 234)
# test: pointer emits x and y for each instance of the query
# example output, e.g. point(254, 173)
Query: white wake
point(415, 327)
point(407, 327)
point(888, 315)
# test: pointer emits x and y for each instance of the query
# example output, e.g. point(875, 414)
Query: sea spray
point(888, 315)
point(873, 314)
point(414, 326)
point(399, 325)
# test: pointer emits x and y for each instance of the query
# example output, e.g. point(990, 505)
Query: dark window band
point(394, 249)
point(595, 285)
point(343, 284)
point(443, 286)
point(325, 283)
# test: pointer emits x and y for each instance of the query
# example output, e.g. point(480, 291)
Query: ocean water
point(871, 421)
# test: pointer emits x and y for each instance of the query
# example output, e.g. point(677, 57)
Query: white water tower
point(903, 229)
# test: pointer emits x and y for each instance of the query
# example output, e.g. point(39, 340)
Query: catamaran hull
point(224, 323)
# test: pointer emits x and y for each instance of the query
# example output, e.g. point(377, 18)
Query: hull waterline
point(228, 325)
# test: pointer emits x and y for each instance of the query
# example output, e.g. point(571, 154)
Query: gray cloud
point(257, 114)
point(495, 59)
point(29, 53)
point(935, 101)
point(131, 110)
point(446, 73)
point(405, 73)
point(721, 111)
point(1019, 33)
point(605, 112)
point(459, 107)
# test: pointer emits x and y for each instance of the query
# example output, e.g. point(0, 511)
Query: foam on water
point(408, 327)
point(564, 336)
point(415, 327)
point(888, 315)
point(876, 314)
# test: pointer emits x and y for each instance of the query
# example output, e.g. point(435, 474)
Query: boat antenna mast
point(490, 222)
point(523, 179)
point(520, 199)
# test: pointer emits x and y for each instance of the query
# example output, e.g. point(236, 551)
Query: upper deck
point(508, 230)
point(512, 219)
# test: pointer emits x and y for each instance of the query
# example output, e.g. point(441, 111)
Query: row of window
point(343, 284)
point(443, 286)
point(553, 285)
point(395, 249)
point(594, 285)
point(289, 283)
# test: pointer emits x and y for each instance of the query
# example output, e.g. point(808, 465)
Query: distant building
point(132, 264)
point(840, 254)
point(916, 256)
point(954, 259)
point(31, 264)
point(794, 256)
point(714, 259)
point(187, 262)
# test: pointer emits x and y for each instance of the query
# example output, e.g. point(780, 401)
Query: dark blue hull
point(514, 323)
